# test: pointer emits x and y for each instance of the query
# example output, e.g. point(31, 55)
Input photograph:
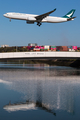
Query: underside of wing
point(40, 17)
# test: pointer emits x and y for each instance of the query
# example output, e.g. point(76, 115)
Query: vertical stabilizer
point(69, 14)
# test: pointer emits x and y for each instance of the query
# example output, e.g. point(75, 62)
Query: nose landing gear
point(10, 19)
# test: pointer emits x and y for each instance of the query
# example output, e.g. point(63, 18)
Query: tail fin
point(69, 14)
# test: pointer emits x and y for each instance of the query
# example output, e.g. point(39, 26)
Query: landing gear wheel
point(39, 24)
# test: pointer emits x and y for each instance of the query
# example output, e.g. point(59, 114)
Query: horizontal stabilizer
point(70, 18)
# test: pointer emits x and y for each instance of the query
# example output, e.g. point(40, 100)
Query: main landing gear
point(39, 24)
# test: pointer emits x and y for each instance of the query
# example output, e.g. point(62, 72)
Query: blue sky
point(18, 33)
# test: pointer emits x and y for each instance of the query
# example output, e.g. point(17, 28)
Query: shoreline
point(56, 62)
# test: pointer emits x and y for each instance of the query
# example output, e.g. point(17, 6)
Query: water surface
point(39, 92)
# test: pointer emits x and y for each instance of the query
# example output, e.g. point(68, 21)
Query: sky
point(18, 33)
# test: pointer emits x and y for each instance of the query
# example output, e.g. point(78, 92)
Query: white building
point(4, 46)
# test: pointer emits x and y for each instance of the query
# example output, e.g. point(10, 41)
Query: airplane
point(28, 105)
point(31, 18)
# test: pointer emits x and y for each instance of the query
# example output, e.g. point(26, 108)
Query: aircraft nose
point(4, 15)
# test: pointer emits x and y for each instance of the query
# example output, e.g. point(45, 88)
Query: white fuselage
point(17, 107)
point(31, 17)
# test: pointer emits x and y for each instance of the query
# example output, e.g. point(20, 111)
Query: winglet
point(54, 9)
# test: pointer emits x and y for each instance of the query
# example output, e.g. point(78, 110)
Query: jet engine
point(29, 22)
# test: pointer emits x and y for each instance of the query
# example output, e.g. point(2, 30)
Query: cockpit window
point(6, 13)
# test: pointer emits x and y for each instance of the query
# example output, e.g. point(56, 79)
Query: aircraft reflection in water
point(19, 106)
point(47, 86)
point(28, 105)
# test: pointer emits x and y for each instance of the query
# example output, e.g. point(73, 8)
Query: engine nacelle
point(30, 22)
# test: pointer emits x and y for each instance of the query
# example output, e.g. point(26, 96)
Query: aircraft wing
point(40, 17)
